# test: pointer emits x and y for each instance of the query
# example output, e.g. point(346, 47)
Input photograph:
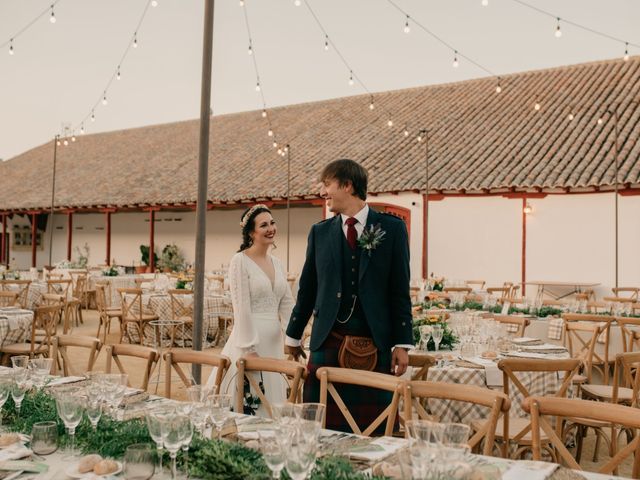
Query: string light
point(257, 86)
point(154, 3)
point(93, 116)
point(407, 28)
point(626, 52)
point(571, 116)
point(275, 144)
point(558, 31)
point(371, 104)
point(118, 76)
point(135, 40)
point(279, 151)
point(389, 123)
point(104, 99)
point(297, 3)
point(419, 138)
point(351, 78)
point(58, 142)
point(600, 121)
point(250, 51)
point(270, 133)
point(66, 142)
point(406, 132)
point(264, 114)
point(536, 106)
point(241, 2)
point(455, 59)
point(73, 138)
point(498, 87)
point(527, 209)
point(485, 3)
point(82, 129)
point(326, 43)
point(52, 18)
point(11, 47)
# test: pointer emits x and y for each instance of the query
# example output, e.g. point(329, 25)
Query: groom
point(353, 284)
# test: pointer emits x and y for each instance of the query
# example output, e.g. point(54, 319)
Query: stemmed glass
point(115, 387)
point(187, 437)
point(273, 451)
point(425, 335)
point(173, 436)
point(199, 415)
point(219, 407)
point(301, 455)
point(40, 368)
point(18, 389)
point(70, 407)
point(154, 420)
point(425, 438)
point(436, 334)
point(5, 388)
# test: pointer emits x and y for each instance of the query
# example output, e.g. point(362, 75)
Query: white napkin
point(14, 452)
point(63, 380)
point(530, 470)
point(525, 340)
point(493, 376)
point(378, 449)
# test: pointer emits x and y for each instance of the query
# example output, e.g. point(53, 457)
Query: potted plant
point(171, 260)
point(144, 257)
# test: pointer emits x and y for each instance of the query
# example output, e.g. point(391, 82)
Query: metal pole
point(288, 204)
point(203, 177)
point(53, 195)
point(615, 160)
point(425, 220)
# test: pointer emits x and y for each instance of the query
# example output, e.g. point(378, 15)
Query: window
point(22, 237)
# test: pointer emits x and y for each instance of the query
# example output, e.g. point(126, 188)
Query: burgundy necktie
point(352, 234)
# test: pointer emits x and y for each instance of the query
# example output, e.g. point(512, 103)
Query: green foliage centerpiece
point(424, 318)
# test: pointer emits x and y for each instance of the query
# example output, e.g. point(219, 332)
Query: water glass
point(273, 451)
point(5, 389)
point(187, 436)
point(173, 436)
point(18, 389)
point(44, 438)
point(301, 456)
point(198, 393)
point(138, 462)
point(437, 334)
point(70, 408)
point(456, 437)
point(154, 420)
point(40, 370)
point(219, 407)
point(94, 412)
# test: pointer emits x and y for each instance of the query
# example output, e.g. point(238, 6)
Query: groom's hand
point(399, 361)
point(295, 352)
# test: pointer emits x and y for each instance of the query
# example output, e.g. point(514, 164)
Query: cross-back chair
point(19, 286)
point(630, 333)
point(598, 361)
point(115, 352)
point(181, 310)
point(329, 376)
point(497, 402)
point(174, 358)
point(8, 299)
point(518, 430)
point(105, 313)
point(476, 284)
point(292, 372)
point(215, 283)
point(134, 312)
point(628, 292)
point(60, 286)
point(421, 363)
point(60, 354)
point(519, 324)
point(541, 407)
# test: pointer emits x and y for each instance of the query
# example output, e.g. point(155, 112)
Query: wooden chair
point(106, 314)
point(114, 352)
point(421, 364)
point(174, 358)
point(141, 281)
point(630, 333)
point(59, 286)
point(330, 375)
point(20, 286)
point(60, 355)
point(134, 312)
point(8, 299)
point(293, 372)
point(521, 322)
point(600, 362)
point(581, 347)
point(476, 284)
point(456, 289)
point(631, 292)
point(43, 329)
point(503, 292)
point(624, 416)
point(215, 283)
point(182, 311)
point(518, 430)
point(80, 287)
point(497, 402)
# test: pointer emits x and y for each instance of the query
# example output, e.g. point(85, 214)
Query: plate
point(72, 471)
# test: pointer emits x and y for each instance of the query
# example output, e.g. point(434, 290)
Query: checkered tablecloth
point(15, 326)
point(537, 383)
point(34, 295)
point(160, 305)
point(556, 325)
point(121, 281)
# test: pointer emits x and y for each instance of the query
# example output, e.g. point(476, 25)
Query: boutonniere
point(371, 238)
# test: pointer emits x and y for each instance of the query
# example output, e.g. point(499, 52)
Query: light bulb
point(264, 114)
point(571, 117)
point(118, 76)
point(407, 28)
point(11, 48)
point(406, 132)
point(351, 79)
point(279, 151)
point(104, 100)
point(326, 43)
point(82, 130)
point(389, 123)
point(286, 148)
point(241, 2)
point(58, 143)
point(73, 138)
point(135, 40)
point(52, 18)
point(297, 3)
point(270, 133)
point(455, 60)
point(558, 31)
point(66, 142)
point(154, 3)
point(93, 117)
point(275, 144)
point(419, 138)
point(626, 52)
point(258, 87)
point(485, 3)
point(599, 121)
point(371, 105)
point(250, 51)
point(536, 106)
point(527, 209)
point(498, 88)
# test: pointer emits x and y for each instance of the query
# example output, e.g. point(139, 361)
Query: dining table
point(15, 325)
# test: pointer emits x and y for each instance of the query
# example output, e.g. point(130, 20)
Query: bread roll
point(7, 439)
point(105, 467)
point(88, 462)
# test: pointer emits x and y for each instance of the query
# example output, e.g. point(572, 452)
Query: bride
point(261, 301)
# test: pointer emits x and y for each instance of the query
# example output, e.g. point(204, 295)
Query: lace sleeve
point(245, 334)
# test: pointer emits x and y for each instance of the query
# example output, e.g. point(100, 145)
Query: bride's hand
point(252, 354)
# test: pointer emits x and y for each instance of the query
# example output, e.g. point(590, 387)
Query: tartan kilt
point(364, 403)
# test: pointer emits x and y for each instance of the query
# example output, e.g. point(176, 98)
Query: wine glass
point(20, 368)
point(273, 451)
point(199, 415)
point(154, 420)
point(94, 412)
point(5, 389)
point(425, 335)
point(40, 369)
point(173, 436)
point(301, 455)
point(187, 437)
point(436, 334)
point(18, 389)
point(198, 393)
point(70, 407)
point(138, 462)
point(220, 407)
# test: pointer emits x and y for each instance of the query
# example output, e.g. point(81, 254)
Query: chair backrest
point(628, 292)
point(330, 375)
point(457, 289)
point(599, 361)
point(627, 374)
point(293, 372)
point(59, 286)
point(580, 339)
point(504, 292)
point(114, 352)
point(79, 284)
point(497, 402)
point(180, 306)
point(20, 286)
point(131, 301)
point(140, 281)
point(586, 409)
point(51, 299)
point(476, 284)
point(521, 322)
point(629, 329)
point(421, 364)
point(215, 282)
point(174, 358)
point(59, 353)
point(45, 321)
point(101, 297)
point(8, 299)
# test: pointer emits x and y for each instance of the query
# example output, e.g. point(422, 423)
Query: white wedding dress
point(260, 310)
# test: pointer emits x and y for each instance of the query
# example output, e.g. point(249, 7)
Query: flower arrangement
point(371, 238)
point(83, 257)
point(427, 321)
point(171, 259)
point(112, 271)
point(436, 283)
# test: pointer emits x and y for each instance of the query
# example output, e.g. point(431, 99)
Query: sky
point(60, 70)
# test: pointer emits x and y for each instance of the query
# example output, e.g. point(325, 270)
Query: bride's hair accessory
point(247, 216)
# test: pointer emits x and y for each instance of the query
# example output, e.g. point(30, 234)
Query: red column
point(152, 218)
point(3, 241)
point(108, 218)
point(69, 234)
point(524, 247)
point(34, 229)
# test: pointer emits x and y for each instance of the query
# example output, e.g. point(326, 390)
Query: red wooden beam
point(152, 221)
point(425, 234)
point(4, 260)
point(34, 229)
point(524, 247)
point(69, 233)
